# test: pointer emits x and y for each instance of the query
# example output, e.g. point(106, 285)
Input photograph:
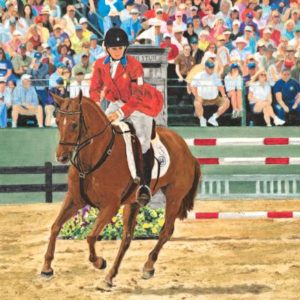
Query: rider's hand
point(113, 116)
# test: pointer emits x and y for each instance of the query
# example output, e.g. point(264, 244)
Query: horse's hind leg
point(129, 221)
point(67, 211)
point(104, 217)
point(174, 198)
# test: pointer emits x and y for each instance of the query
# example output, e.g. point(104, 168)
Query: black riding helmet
point(116, 37)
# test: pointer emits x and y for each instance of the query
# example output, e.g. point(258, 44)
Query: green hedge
point(149, 224)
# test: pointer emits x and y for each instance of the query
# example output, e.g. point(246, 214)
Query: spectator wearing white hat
point(45, 14)
point(192, 12)
point(5, 102)
point(260, 52)
point(153, 34)
point(25, 102)
point(132, 25)
point(240, 51)
point(178, 39)
point(84, 23)
point(250, 38)
point(235, 30)
point(203, 40)
point(70, 19)
point(266, 37)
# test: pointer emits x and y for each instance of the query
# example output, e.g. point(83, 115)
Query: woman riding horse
point(118, 78)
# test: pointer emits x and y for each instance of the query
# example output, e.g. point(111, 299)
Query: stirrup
point(143, 199)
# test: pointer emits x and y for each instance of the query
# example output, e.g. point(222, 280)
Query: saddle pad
point(160, 152)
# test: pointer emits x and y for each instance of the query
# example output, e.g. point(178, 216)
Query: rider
point(118, 78)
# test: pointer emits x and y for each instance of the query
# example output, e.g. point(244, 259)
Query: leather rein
point(75, 160)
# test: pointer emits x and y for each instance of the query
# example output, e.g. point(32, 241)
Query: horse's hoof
point(108, 282)
point(148, 274)
point(103, 265)
point(100, 264)
point(47, 274)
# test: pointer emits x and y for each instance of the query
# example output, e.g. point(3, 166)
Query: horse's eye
point(74, 126)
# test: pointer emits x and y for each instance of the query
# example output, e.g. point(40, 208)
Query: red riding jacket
point(126, 85)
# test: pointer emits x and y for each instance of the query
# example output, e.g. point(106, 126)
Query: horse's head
point(68, 119)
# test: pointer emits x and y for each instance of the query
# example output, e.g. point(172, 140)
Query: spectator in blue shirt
point(25, 101)
point(58, 73)
point(287, 93)
point(280, 5)
point(249, 22)
point(96, 51)
point(132, 25)
point(5, 65)
point(39, 75)
point(5, 102)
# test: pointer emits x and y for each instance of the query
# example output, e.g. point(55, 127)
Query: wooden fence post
point(48, 182)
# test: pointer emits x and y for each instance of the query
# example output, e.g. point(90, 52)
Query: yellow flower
point(114, 219)
point(154, 230)
point(161, 222)
point(153, 214)
point(121, 210)
point(146, 225)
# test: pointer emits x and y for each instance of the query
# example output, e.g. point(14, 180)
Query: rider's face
point(116, 52)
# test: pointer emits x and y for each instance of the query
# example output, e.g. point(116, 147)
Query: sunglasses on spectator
point(159, 13)
point(179, 16)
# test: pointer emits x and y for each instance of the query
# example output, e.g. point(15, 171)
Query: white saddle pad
point(160, 152)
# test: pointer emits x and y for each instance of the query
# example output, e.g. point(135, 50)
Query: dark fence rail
point(48, 187)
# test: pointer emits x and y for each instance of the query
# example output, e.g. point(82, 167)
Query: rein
point(75, 160)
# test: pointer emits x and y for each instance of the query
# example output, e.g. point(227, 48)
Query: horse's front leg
point(129, 221)
point(104, 217)
point(67, 211)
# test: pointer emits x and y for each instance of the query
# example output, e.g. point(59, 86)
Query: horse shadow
point(238, 289)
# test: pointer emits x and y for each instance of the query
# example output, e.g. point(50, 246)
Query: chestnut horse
point(98, 154)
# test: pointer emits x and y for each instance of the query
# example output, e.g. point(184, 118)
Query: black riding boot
point(144, 192)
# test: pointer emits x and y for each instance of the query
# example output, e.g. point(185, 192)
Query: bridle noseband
point(75, 160)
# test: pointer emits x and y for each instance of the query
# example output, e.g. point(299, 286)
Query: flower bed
point(149, 224)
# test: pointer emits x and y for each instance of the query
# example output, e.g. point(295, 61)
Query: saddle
point(137, 149)
point(159, 156)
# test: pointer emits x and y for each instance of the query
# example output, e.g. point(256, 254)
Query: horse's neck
point(95, 122)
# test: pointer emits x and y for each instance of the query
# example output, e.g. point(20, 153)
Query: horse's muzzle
point(64, 158)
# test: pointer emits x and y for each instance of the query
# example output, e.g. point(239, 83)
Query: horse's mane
point(96, 108)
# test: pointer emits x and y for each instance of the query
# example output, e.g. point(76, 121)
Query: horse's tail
point(188, 201)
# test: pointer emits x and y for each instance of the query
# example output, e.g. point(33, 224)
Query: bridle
point(75, 160)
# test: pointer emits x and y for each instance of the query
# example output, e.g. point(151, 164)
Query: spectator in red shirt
point(173, 50)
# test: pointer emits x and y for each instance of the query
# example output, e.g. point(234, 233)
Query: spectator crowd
point(218, 52)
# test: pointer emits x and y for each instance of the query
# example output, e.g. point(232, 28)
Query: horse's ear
point(59, 100)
